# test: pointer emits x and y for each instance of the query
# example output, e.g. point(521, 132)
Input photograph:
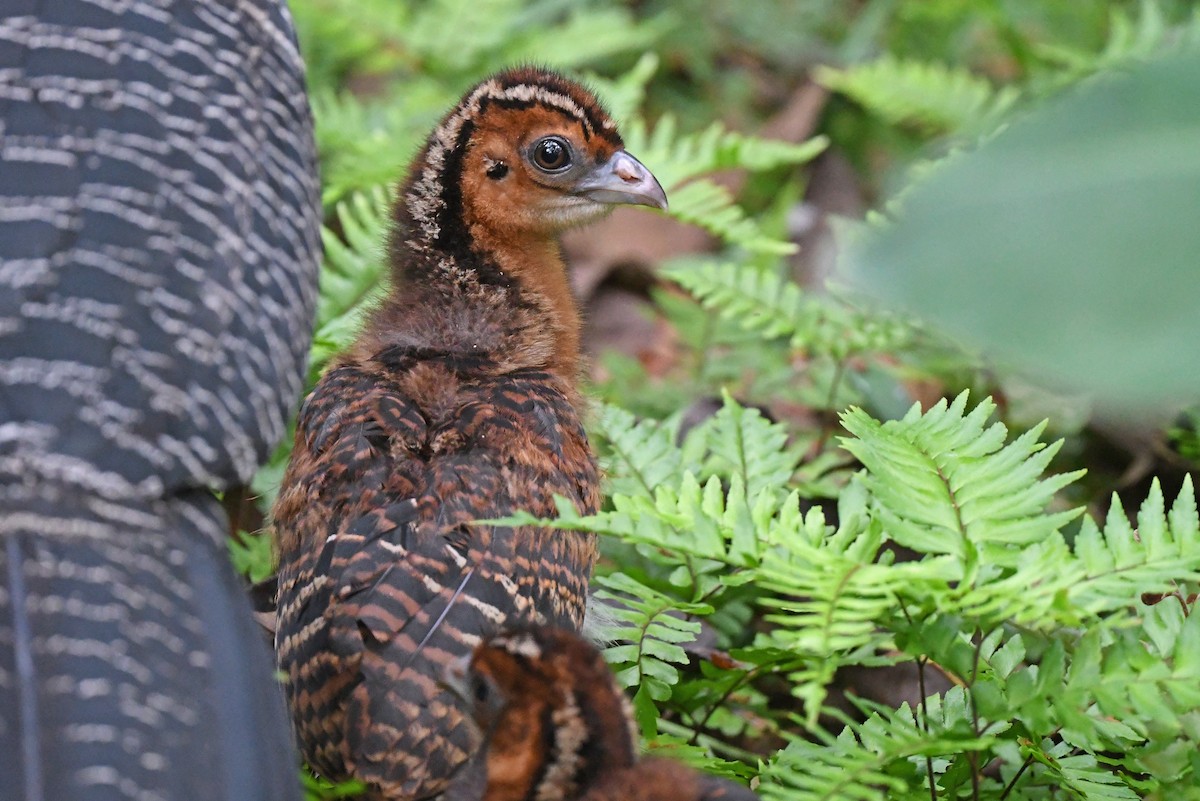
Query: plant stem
point(717, 746)
point(1013, 781)
point(973, 757)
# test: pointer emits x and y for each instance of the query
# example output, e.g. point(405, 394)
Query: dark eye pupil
point(481, 691)
point(550, 154)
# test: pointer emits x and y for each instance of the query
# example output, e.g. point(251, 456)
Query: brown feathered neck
point(464, 283)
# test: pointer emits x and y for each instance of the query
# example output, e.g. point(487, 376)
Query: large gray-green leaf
point(1069, 244)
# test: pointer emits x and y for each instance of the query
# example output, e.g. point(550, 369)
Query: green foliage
point(366, 143)
point(937, 494)
point(1047, 250)
point(253, 555)
point(317, 789)
point(678, 159)
point(1185, 434)
point(762, 300)
point(351, 276)
point(936, 98)
point(880, 760)
point(1056, 660)
point(1142, 35)
point(754, 559)
point(652, 626)
point(408, 71)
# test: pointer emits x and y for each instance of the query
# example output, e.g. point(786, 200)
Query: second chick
point(557, 726)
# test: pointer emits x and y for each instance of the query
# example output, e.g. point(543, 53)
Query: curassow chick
point(558, 728)
point(456, 403)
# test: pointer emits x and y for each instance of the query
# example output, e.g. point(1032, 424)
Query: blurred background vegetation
point(738, 323)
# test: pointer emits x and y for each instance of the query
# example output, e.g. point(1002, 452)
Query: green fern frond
point(934, 97)
point(828, 597)
point(661, 496)
point(678, 160)
point(711, 207)
point(841, 771)
point(1120, 563)
point(351, 274)
point(366, 143)
point(584, 36)
point(1143, 678)
point(253, 555)
point(685, 517)
point(495, 32)
point(1080, 775)
point(828, 583)
point(741, 441)
point(622, 96)
point(1130, 38)
point(944, 482)
point(951, 714)
point(649, 629)
point(1084, 776)
point(697, 752)
point(640, 454)
point(877, 760)
point(1146, 36)
point(677, 157)
point(762, 300)
point(1031, 593)
point(341, 37)
point(482, 30)
point(318, 789)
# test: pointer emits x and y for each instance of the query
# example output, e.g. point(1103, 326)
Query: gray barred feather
point(158, 256)
point(129, 668)
point(157, 241)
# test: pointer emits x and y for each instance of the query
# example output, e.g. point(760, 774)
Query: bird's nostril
point(627, 171)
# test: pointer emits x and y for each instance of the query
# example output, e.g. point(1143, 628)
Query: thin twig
point(737, 685)
point(921, 660)
point(1013, 781)
point(826, 429)
point(925, 725)
point(973, 756)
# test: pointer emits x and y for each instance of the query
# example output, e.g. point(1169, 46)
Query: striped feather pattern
point(158, 241)
point(158, 257)
point(382, 580)
point(129, 667)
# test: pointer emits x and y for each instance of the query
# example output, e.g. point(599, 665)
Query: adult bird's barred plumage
point(458, 402)
point(558, 728)
point(158, 254)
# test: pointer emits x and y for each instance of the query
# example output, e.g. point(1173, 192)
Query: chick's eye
point(551, 154)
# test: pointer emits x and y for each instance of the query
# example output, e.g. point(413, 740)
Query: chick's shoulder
point(458, 402)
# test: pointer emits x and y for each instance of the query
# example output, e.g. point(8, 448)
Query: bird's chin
point(573, 211)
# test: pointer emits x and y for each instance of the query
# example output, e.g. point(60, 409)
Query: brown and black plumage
point(559, 729)
point(458, 402)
